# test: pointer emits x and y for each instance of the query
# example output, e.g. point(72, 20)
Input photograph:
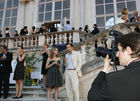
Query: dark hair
point(20, 46)
point(132, 40)
point(4, 47)
point(25, 27)
point(33, 27)
point(68, 22)
point(7, 28)
point(80, 28)
point(86, 28)
point(70, 44)
point(95, 25)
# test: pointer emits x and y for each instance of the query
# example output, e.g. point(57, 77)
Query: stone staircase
point(30, 93)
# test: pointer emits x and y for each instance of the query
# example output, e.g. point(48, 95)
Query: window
point(100, 9)
point(100, 21)
point(1, 12)
point(53, 8)
point(9, 19)
point(109, 8)
point(120, 6)
point(105, 10)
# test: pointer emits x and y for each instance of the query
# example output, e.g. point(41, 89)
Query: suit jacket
point(77, 62)
point(122, 85)
point(95, 31)
point(6, 64)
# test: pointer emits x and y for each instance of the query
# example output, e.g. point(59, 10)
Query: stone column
point(41, 40)
point(29, 14)
point(76, 37)
point(82, 13)
point(88, 13)
point(21, 17)
point(76, 14)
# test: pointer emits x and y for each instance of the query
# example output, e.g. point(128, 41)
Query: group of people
point(52, 78)
point(5, 70)
point(51, 74)
point(115, 86)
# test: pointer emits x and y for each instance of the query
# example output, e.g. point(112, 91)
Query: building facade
point(16, 14)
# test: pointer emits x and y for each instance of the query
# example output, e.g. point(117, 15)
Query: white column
point(82, 14)
point(137, 6)
point(20, 17)
point(88, 17)
point(76, 14)
point(41, 40)
point(76, 37)
point(72, 12)
point(93, 13)
point(35, 13)
point(29, 15)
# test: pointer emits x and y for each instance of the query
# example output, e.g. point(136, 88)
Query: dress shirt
point(67, 27)
point(70, 64)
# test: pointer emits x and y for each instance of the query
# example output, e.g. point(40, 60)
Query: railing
point(32, 41)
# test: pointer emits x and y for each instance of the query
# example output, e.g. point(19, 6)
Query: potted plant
point(30, 61)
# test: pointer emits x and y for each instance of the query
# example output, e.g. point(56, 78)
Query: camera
point(103, 51)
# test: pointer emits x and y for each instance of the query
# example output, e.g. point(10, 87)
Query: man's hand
point(107, 66)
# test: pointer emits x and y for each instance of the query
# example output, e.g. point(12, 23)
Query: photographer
point(122, 85)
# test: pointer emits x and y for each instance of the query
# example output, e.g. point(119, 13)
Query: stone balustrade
point(36, 41)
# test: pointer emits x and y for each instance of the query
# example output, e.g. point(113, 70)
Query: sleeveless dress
point(54, 78)
point(19, 71)
point(45, 57)
point(7, 35)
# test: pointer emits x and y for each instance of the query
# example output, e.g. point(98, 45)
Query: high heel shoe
point(15, 97)
point(20, 96)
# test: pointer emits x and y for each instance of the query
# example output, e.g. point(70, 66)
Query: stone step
point(28, 88)
point(29, 93)
point(28, 99)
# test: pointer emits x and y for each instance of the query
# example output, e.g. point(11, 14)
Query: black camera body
point(103, 51)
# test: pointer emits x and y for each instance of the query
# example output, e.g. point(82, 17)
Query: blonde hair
point(136, 13)
point(125, 11)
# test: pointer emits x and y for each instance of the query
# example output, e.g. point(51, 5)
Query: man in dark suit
point(122, 85)
point(96, 30)
point(5, 70)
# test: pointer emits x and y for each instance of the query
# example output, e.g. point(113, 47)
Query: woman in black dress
point(45, 54)
point(54, 79)
point(19, 72)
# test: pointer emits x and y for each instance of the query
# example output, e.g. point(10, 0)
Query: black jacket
point(122, 85)
point(95, 31)
point(22, 32)
point(5, 65)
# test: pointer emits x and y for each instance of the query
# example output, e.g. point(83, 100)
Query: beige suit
point(72, 82)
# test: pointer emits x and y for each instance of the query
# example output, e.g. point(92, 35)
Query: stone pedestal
point(76, 37)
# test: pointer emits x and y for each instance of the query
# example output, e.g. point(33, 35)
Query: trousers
point(72, 85)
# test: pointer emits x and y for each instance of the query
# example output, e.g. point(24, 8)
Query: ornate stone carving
point(25, 1)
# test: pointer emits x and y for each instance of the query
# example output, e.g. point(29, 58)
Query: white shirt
point(70, 64)
point(67, 27)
